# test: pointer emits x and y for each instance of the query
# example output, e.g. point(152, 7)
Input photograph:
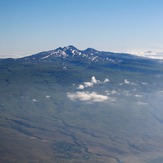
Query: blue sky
point(31, 26)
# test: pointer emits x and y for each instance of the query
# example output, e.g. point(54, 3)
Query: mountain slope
point(63, 106)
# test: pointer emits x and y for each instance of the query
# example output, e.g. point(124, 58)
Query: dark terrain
point(72, 106)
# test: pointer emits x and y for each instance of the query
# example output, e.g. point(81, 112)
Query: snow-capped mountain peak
point(65, 52)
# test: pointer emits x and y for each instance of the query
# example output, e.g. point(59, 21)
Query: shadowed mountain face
point(68, 105)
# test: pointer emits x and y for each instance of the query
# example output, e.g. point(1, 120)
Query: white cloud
point(147, 54)
point(80, 86)
point(94, 80)
point(34, 100)
point(126, 81)
point(10, 56)
point(87, 96)
point(106, 80)
point(88, 84)
point(92, 83)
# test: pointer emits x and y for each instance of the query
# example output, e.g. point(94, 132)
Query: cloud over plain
point(87, 96)
point(92, 83)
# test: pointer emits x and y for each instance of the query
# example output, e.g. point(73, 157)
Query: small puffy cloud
point(34, 100)
point(80, 86)
point(87, 96)
point(94, 80)
point(106, 80)
point(88, 84)
point(126, 81)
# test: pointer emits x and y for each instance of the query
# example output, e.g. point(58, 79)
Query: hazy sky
point(31, 26)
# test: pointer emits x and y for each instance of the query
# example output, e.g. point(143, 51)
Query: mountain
point(71, 55)
point(83, 106)
point(89, 55)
